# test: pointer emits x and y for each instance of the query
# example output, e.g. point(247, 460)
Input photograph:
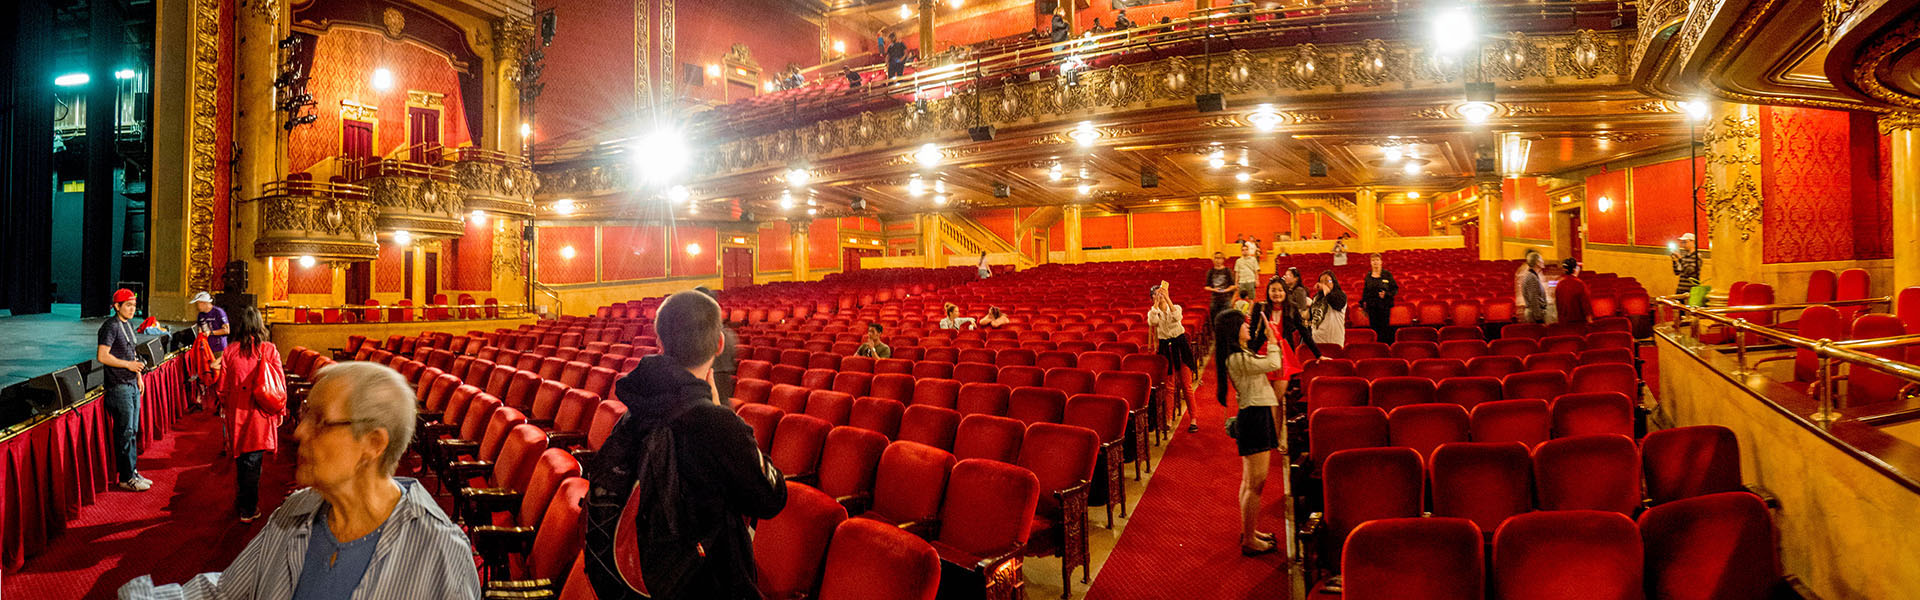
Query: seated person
point(872, 346)
point(995, 319)
point(325, 540)
point(955, 321)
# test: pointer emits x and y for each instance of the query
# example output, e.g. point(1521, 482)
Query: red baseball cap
point(122, 295)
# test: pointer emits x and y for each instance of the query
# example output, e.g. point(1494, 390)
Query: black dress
point(1380, 310)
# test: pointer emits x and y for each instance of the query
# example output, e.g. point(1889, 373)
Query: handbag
point(269, 388)
point(1233, 427)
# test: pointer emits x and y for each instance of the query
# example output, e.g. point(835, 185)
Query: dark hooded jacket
point(724, 476)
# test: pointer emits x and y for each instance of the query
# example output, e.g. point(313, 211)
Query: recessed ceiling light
point(1391, 154)
point(928, 155)
point(1244, 196)
point(1243, 177)
point(1413, 195)
point(1412, 168)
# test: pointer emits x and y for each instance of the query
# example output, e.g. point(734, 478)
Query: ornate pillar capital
point(1899, 121)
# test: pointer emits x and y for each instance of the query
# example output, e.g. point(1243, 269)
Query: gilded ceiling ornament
point(1584, 53)
point(1871, 61)
point(667, 64)
point(1431, 112)
point(1309, 117)
point(1526, 109)
point(1370, 65)
point(1899, 121)
point(1513, 60)
point(1650, 106)
point(266, 10)
point(395, 22)
point(1305, 71)
point(1832, 14)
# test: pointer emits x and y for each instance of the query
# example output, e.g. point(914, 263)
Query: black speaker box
point(983, 133)
point(1315, 166)
point(1002, 190)
point(526, 232)
point(1210, 102)
point(1484, 165)
point(746, 216)
point(1149, 177)
point(858, 204)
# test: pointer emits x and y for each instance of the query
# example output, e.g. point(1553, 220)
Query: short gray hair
point(377, 397)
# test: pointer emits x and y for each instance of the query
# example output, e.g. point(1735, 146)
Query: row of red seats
point(1468, 391)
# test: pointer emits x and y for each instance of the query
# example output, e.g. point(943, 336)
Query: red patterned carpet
point(1184, 539)
point(183, 526)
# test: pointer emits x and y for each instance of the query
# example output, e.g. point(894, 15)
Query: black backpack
point(673, 553)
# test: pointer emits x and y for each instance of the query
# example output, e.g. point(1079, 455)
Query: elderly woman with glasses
point(356, 531)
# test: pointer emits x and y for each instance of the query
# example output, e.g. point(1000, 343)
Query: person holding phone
point(1253, 427)
point(1170, 334)
point(1686, 264)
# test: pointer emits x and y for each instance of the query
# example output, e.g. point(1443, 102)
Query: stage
point(39, 345)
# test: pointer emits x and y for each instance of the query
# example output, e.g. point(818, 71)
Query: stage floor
point(36, 345)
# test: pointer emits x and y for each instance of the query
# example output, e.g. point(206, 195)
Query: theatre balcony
point(327, 221)
point(416, 197)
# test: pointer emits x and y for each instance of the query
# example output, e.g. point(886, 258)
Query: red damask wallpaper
point(823, 244)
point(1526, 195)
point(1819, 187)
point(686, 264)
point(389, 276)
point(317, 279)
point(1609, 227)
point(1166, 229)
point(471, 259)
point(1406, 219)
point(632, 252)
point(551, 260)
point(776, 247)
point(1872, 213)
point(344, 61)
point(1663, 206)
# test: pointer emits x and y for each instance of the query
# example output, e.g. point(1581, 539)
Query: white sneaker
point(143, 480)
point(135, 485)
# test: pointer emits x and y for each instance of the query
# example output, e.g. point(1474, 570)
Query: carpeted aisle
point(1184, 538)
point(183, 526)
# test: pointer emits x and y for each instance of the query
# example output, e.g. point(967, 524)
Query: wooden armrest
point(519, 584)
point(566, 439)
point(480, 502)
point(498, 542)
point(460, 471)
point(855, 504)
point(927, 529)
point(1766, 495)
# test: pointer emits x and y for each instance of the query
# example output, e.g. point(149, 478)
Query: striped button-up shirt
point(421, 556)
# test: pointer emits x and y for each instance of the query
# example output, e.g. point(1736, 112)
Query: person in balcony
point(896, 56)
point(1686, 264)
point(1570, 294)
point(1121, 22)
point(1061, 30)
point(1097, 28)
point(853, 79)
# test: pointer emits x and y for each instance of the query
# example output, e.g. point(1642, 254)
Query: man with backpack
point(685, 470)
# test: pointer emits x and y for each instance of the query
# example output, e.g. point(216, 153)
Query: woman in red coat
point(253, 420)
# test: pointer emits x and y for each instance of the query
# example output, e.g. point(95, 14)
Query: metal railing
point(319, 189)
point(558, 305)
point(1826, 351)
point(505, 311)
point(473, 154)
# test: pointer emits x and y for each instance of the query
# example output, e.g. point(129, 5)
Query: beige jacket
point(1249, 374)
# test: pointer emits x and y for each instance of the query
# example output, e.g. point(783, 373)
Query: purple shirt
point(213, 320)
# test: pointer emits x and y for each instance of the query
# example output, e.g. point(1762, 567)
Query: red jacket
point(1570, 296)
point(250, 426)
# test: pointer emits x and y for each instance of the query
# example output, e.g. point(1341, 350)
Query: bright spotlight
point(1264, 118)
point(403, 238)
point(1085, 189)
point(564, 206)
point(1217, 159)
point(1243, 177)
point(940, 199)
point(1085, 134)
point(1696, 109)
point(1604, 204)
point(1243, 197)
point(382, 79)
point(1477, 112)
point(693, 249)
point(1411, 169)
point(928, 155)
point(678, 194)
point(1053, 174)
point(905, 12)
point(526, 129)
point(1392, 154)
point(661, 155)
point(813, 211)
point(307, 262)
point(940, 186)
point(1453, 30)
point(916, 187)
point(786, 200)
point(956, 3)
point(124, 74)
point(798, 177)
point(1517, 215)
point(567, 252)
point(713, 70)
point(72, 79)
point(1413, 195)
point(839, 47)
point(479, 218)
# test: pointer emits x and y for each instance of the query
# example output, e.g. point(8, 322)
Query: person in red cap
point(123, 388)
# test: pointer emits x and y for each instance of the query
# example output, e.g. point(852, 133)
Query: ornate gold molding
point(1732, 142)
point(508, 247)
point(496, 188)
point(1899, 121)
point(642, 76)
point(359, 112)
point(1833, 13)
point(417, 204)
point(667, 65)
point(1870, 64)
point(325, 227)
point(203, 152)
point(424, 99)
point(395, 22)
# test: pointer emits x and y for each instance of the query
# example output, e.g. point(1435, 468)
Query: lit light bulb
point(382, 79)
point(1243, 177)
point(1085, 189)
point(307, 262)
point(1054, 173)
point(1517, 215)
point(567, 252)
point(797, 177)
point(916, 187)
point(813, 211)
point(1238, 197)
point(905, 12)
point(124, 74)
point(940, 186)
point(693, 209)
point(678, 194)
point(1696, 110)
point(1604, 204)
point(479, 217)
point(1392, 154)
point(563, 206)
point(1411, 169)
point(713, 70)
point(1217, 159)
point(1477, 112)
point(1413, 195)
point(786, 200)
point(839, 47)
point(402, 237)
point(693, 249)
point(1085, 134)
point(928, 155)
point(940, 199)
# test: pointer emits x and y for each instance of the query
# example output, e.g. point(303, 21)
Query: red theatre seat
point(1712, 547)
point(1591, 472)
point(791, 547)
point(869, 560)
point(1414, 559)
point(1486, 482)
point(1684, 462)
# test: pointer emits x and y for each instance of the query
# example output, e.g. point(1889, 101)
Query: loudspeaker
point(1002, 190)
point(1315, 166)
point(746, 216)
point(67, 386)
point(235, 276)
point(858, 204)
point(153, 350)
point(983, 133)
point(1210, 102)
point(1483, 165)
point(526, 232)
point(1149, 176)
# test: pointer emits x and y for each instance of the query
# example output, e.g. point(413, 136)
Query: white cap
point(1686, 237)
point(202, 297)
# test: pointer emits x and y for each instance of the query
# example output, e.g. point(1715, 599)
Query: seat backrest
point(870, 560)
point(1525, 421)
point(989, 506)
point(1438, 369)
point(764, 419)
point(519, 455)
point(911, 481)
point(1414, 559)
point(1032, 405)
point(1467, 391)
point(830, 406)
point(1568, 555)
point(1061, 456)
point(1389, 393)
point(934, 426)
point(989, 437)
point(790, 398)
point(1822, 285)
point(893, 386)
point(1376, 368)
point(1021, 375)
point(1544, 385)
point(1486, 482)
point(1333, 429)
point(1684, 462)
point(1590, 413)
point(1363, 484)
point(1817, 323)
point(1494, 366)
point(1323, 392)
point(558, 538)
point(849, 461)
point(1105, 415)
point(797, 443)
point(1072, 380)
point(1712, 547)
point(791, 548)
point(940, 392)
point(928, 369)
point(983, 398)
point(522, 388)
point(893, 365)
point(554, 467)
point(1589, 472)
point(605, 416)
point(1424, 427)
point(1866, 385)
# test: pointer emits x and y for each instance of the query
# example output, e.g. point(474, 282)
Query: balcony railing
point(328, 221)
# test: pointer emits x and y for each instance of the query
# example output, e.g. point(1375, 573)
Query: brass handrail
point(475, 154)
point(1826, 350)
point(302, 187)
point(274, 307)
point(1878, 343)
point(1779, 307)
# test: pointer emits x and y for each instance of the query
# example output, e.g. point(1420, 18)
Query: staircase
point(968, 236)
point(1346, 214)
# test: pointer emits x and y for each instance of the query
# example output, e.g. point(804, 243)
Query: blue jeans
point(123, 404)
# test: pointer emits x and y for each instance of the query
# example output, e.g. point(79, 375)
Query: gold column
point(1213, 226)
point(927, 7)
point(256, 133)
point(1730, 192)
point(1492, 222)
point(1070, 218)
point(1366, 205)
point(1072, 9)
point(502, 87)
point(798, 249)
point(1904, 130)
point(931, 246)
point(1202, 4)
